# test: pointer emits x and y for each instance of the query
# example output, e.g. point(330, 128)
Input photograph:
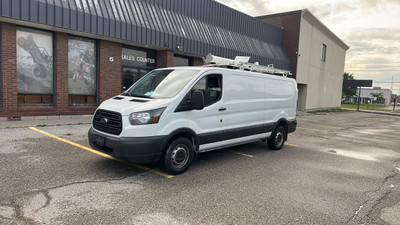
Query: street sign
point(357, 83)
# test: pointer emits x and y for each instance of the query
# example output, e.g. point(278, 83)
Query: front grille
point(108, 122)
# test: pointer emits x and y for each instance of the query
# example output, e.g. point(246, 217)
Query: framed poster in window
point(82, 77)
point(34, 62)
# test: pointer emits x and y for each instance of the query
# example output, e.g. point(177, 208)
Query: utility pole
point(359, 99)
point(391, 86)
point(391, 94)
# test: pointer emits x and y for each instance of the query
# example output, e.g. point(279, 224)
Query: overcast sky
point(370, 27)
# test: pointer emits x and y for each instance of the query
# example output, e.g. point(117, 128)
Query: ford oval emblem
point(104, 120)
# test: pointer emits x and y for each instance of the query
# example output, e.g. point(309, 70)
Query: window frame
point(219, 76)
point(41, 95)
point(87, 98)
point(323, 52)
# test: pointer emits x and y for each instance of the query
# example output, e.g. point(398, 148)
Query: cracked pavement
point(341, 168)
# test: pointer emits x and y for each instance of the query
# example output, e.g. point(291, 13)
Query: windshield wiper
point(140, 96)
point(126, 93)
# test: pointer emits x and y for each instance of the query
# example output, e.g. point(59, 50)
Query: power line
point(384, 82)
point(370, 63)
point(374, 70)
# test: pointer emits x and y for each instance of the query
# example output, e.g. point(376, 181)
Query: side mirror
point(193, 102)
point(197, 101)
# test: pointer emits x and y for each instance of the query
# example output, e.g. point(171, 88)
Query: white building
point(317, 56)
point(367, 98)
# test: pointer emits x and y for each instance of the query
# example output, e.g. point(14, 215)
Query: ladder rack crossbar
point(242, 63)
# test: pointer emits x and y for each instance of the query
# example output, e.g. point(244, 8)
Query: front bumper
point(132, 149)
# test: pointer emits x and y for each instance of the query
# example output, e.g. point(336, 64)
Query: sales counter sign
point(139, 58)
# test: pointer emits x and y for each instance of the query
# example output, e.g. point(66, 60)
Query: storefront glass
point(34, 66)
point(182, 61)
point(135, 64)
point(82, 77)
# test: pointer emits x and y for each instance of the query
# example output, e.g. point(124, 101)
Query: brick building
point(66, 57)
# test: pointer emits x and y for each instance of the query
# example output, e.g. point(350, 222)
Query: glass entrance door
point(131, 75)
point(143, 72)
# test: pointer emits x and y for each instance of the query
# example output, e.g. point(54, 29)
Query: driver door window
point(211, 86)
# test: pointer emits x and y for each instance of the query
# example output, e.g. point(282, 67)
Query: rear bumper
point(292, 126)
point(132, 149)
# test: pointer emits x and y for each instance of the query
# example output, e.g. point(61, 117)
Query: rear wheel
point(178, 156)
point(277, 139)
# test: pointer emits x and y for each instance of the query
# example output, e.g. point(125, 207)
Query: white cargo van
point(172, 114)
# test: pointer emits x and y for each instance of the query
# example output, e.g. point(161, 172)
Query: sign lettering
point(138, 59)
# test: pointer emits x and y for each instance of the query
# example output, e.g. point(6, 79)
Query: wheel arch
point(182, 132)
point(284, 123)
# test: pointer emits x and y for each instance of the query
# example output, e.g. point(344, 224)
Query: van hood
point(127, 105)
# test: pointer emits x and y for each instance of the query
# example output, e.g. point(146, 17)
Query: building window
point(182, 61)
point(35, 66)
point(82, 79)
point(323, 56)
point(136, 62)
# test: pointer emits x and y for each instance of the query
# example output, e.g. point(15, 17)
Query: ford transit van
point(172, 114)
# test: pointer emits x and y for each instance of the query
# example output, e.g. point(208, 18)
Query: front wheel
point(178, 156)
point(277, 139)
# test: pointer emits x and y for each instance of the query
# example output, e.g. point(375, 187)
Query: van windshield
point(161, 83)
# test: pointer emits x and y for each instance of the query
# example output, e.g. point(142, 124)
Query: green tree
point(348, 92)
point(379, 97)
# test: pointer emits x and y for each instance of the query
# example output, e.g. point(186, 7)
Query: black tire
point(178, 156)
point(277, 139)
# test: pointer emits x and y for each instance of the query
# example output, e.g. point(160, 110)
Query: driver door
point(209, 123)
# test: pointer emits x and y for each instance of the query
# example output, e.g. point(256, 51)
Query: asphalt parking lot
point(341, 168)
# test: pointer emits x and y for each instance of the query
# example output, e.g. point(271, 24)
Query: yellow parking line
point(239, 153)
point(291, 145)
point(102, 154)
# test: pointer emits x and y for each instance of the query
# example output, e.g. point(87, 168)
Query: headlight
point(147, 117)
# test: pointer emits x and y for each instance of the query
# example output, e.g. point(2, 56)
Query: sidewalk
point(391, 113)
point(46, 121)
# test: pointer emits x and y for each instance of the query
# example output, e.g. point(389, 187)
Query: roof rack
point(242, 63)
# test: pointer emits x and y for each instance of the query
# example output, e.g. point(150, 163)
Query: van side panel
point(255, 104)
point(244, 99)
point(281, 99)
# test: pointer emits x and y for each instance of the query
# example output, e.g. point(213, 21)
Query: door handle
point(222, 109)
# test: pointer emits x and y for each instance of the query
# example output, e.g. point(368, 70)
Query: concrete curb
point(375, 112)
point(46, 121)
